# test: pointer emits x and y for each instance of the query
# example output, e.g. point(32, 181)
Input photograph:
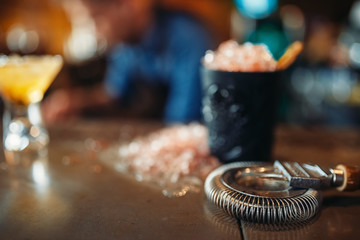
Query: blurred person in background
point(153, 65)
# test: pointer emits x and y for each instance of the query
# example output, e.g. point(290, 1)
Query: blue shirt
point(170, 55)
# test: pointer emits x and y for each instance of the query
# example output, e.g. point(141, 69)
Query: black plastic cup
point(239, 109)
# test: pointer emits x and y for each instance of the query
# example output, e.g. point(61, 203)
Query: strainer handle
point(351, 177)
point(343, 177)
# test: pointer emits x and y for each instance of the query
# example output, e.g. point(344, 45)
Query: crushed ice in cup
point(233, 57)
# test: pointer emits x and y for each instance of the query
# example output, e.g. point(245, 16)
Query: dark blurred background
point(322, 87)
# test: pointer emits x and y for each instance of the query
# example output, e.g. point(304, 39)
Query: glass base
point(26, 157)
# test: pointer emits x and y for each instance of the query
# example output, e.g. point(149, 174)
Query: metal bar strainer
point(283, 192)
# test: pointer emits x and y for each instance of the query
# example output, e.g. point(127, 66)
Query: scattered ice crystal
point(171, 157)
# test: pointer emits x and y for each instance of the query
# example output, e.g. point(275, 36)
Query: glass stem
point(23, 132)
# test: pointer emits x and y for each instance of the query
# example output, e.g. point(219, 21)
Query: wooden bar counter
point(76, 195)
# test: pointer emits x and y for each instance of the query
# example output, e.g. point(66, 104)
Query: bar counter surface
point(76, 195)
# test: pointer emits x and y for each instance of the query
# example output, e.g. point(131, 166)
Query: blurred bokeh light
point(256, 8)
point(322, 87)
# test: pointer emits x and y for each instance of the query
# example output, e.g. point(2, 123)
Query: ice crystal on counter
point(177, 158)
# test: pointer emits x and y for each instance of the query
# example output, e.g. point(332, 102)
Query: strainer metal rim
point(228, 179)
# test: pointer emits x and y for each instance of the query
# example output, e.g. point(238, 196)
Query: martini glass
point(23, 82)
